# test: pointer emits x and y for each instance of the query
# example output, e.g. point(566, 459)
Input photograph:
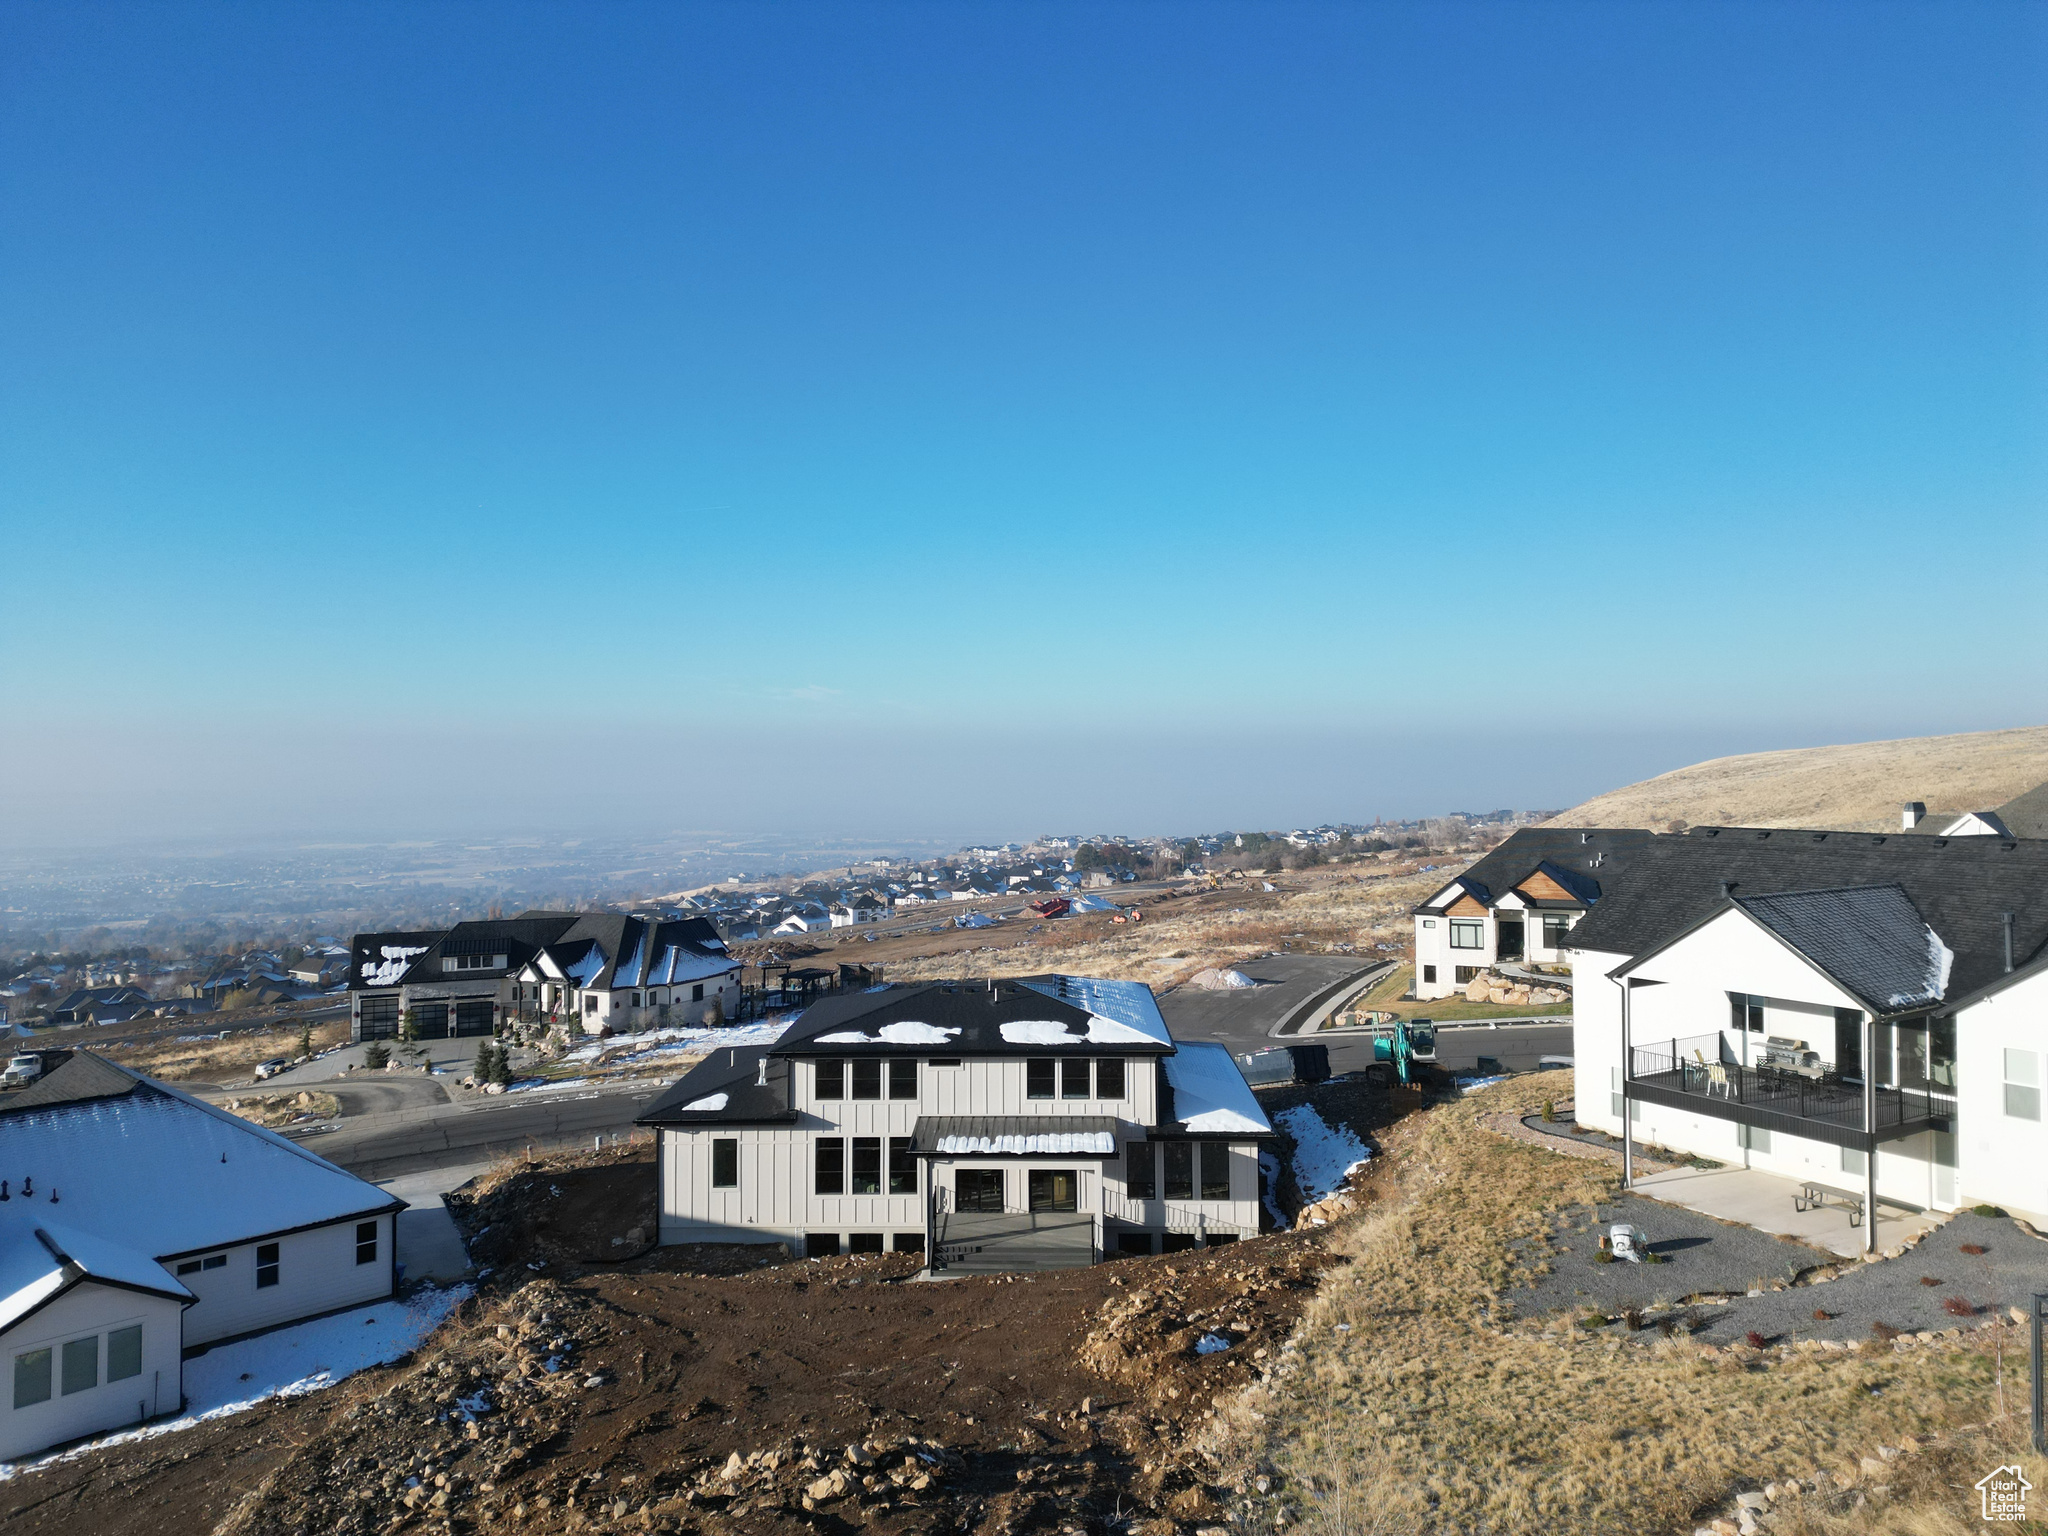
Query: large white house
point(624, 972)
point(1516, 904)
point(1015, 1124)
point(1868, 1012)
point(138, 1224)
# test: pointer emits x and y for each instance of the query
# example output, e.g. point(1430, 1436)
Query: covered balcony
point(1794, 1092)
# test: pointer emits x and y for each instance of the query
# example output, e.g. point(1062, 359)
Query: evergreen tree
point(305, 1039)
point(377, 1057)
point(486, 1054)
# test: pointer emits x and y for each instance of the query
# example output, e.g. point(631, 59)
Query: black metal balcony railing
point(1816, 1091)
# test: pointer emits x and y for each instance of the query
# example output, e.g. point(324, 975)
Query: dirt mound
point(572, 1209)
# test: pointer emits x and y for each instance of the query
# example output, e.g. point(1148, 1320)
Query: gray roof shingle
point(1870, 938)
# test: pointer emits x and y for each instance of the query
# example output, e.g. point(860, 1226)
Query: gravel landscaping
point(1708, 1259)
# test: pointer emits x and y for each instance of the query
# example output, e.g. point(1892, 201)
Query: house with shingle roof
point(1862, 1011)
point(1032, 1123)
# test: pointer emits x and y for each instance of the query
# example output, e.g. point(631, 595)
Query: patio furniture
point(1814, 1196)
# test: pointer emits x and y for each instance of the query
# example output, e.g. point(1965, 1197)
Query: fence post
point(2040, 1310)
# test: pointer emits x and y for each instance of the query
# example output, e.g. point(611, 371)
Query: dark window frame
point(828, 1166)
point(1111, 1080)
point(902, 1167)
point(831, 1078)
point(903, 1077)
point(128, 1364)
point(867, 1078)
point(864, 1166)
point(1040, 1078)
point(267, 1266)
point(366, 1242)
point(1213, 1168)
point(1076, 1080)
point(725, 1162)
point(1042, 1193)
point(1179, 1176)
point(989, 1180)
point(1141, 1171)
point(81, 1365)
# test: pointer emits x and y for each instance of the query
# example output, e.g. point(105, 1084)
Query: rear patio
point(1766, 1201)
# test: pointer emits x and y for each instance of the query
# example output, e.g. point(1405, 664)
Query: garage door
point(430, 1020)
point(473, 1016)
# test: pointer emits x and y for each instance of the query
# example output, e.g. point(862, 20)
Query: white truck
point(21, 1071)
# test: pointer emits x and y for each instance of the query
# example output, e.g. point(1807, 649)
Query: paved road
point(387, 1146)
point(1245, 1019)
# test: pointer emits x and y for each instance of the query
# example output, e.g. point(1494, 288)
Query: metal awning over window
point(1014, 1136)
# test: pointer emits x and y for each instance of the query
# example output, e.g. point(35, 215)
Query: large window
point(831, 1079)
point(1074, 1077)
point(831, 1167)
point(1555, 926)
point(81, 1365)
point(903, 1077)
point(867, 1078)
point(1038, 1078)
point(978, 1189)
point(366, 1242)
point(1180, 1169)
point(725, 1162)
point(1215, 1170)
point(1468, 933)
point(1055, 1189)
point(1745, 1013)
point(902, 1167)
point(124, 1352)
point(31, 1378)
point(1109, 1077)
point(266, 1266)
point(867, 1165)
point(1849, 1043)
point(2023, 1085)
point(1141, 1171)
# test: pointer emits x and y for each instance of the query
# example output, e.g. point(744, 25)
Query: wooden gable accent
point(1467, 906)
point(1540, 887)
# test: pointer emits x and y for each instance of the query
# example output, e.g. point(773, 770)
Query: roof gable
point(1871, 939)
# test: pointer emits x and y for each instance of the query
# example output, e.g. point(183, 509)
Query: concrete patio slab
point(1764, 1201)
point(429, 1246)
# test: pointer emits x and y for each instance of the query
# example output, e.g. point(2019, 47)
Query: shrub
point(1633, 1317)
point(1549, 1111)
point(1973, 1249)
point(1653, 1258)
point(1986, 1210)
point(1604, 1256)
point(1929, 1280)
point(1595, 1321)
point(1957, 1306)
point(1754, 1339)
point(1883, 1332)
point(1822, 1315)
point(378, 1056)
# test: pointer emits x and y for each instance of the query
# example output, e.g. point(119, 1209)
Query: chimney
point(1911, 814)
point(1727, 889)
point(761, 1077)
point(2006, 918)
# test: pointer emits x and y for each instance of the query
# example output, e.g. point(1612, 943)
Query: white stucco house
point(622, 971)
point(1866, 1012)
point(138, 1225)
point(1516, 904)
point(1019, 1124)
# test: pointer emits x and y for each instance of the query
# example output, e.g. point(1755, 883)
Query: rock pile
point(1488, 987)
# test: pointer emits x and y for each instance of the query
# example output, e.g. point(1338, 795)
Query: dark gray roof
point(975, 1012)
point(1959, 885)
point(1870, 938)
point(70, 1077)
point(1583, 860)
point(734, 1072)
point(2027, 815)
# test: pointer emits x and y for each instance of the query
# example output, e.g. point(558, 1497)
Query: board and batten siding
point(90, 1310)
point(990, 1086)
point(317, 1273)
point(1239, 1213)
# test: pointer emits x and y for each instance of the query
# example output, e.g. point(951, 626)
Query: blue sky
point(994, 418)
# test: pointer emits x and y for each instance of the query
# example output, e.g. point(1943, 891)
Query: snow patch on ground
point(289, 1362)
point(1324, 1155)
point(1269, 1165)
point(535, 1084)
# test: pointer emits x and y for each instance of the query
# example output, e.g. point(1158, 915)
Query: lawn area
point(1386, 995)
point(1418, 1402)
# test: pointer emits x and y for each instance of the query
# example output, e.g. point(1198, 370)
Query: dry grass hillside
point(1858, 787)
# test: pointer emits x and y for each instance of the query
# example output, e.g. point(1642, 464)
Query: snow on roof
point(678, 965)
point(628, 973)
point(385, 972)
point(1099, 1143)
point(710, 1103)
point(1125, 1011)
point(165, 1174)
point(894, 1034)
point(39, 1259)
point(1210, 1094)
point(584, 971)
